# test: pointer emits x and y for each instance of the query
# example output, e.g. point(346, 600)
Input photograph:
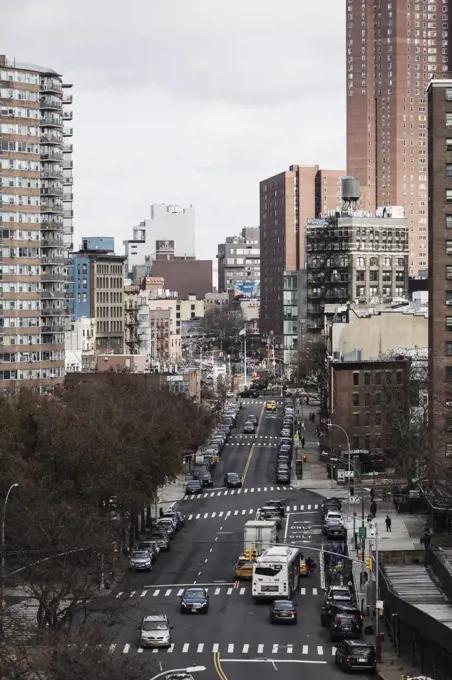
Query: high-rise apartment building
point(239, 262)
point(440, 265)
point(393, 49)
point(35, 223)
point(287, 201)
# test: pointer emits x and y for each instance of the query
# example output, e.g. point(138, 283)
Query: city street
point(236, 634)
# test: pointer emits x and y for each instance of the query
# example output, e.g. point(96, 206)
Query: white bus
point(276, 573)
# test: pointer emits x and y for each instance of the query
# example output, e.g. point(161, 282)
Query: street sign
point(362, 533)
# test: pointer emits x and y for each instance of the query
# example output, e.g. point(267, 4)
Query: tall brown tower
point(393, 49)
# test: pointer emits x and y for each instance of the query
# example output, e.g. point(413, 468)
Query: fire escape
point(132, 336)
point(329, 261)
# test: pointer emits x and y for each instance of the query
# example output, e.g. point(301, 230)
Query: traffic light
point(369, 563)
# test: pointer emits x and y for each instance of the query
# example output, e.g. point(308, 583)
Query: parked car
point(345, 626)
point(162, 539)
point(178, 516)
point(151, 547)
point(330, 609)
point(140, 560)
point(167, 525)
point(334, 528)
point(206, 479)
point(339, 594)
point(356, 655)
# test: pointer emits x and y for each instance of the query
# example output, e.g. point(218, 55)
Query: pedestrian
point(373, 509)
point(426, 540)
point(317, 432)
point(372, 494)
point(388, 522)
point(161, 513)
point(302, 442)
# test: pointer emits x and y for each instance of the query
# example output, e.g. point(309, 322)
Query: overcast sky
point(188, 101)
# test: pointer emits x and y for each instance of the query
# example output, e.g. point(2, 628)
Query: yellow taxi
point(244, 568)
point(304, 571)
point(271, 405)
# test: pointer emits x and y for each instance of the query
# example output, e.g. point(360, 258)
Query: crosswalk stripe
point(132, 593)
point(144, 593)
point(275, 649)
point(243, 512)
point(227, 514)
point(252, 490)
point(230, 649)
point(287, 508)
point(217, 591)
point(294, 508)
point(236, 512)
point(226, 493)
point(126, 649)
point(185, 648)
point(239, 490)
point(155, 651)
point(215, 648)
point(220, 514)
point(119, 595)
point(112, 648)
point(198, 516)
point(246, 490)
point(260, 649)
point(309, 507)
point(200, 647)
point(214, 514)
point(140, 650)
point(303, 591)
point(319, 650)
point(168, 592)
point(258, 490)
point(229, 591)
point(232, 492)
point(245, 649)
point(289, 649)
point(190, 516)
point(251, 511)
point(314, 591)
point(171, 648)
point(333, 651)
point(206, 514)
point(156, 592)
point(242, 591)
point(179, 592)
point(305, 649)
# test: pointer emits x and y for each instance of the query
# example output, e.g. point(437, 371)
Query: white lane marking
point(294, 508)
point(185, 648)
point(214, 514)
point(229, 591)
point(227, 514)
point(245, 649)
point(168, 592)
point(290, 649)
point(126, 649)
point(236, 512)
point(251, 511)
point(260, 649)
point(119, 595)
point(333, 650)
point(265, 488)
point(220, 514)
point(144, 593)
point(217, 591)
point(303, 591)
point(171, 648)
point(275, 649)
point(155, 593)
point(200, 647)
point(309, 507)
point(206, 514)
point(230, 649)
point(287, 508)
point(242, 591)
point(314, 591)
point(133, 593)
point(215, 647)
point(179, 592)
point(252, 490)
point(320, 650)
point(245, 490)
point(305, 649)
point(190, 516)
point(140, 650)
point(112, 648)
point(198, 516)
point(243, 512)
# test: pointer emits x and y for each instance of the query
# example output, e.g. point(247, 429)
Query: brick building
point(361, 392)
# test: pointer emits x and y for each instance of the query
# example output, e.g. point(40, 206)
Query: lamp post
point(193, 669)
point(339, 427)
point(2, 563)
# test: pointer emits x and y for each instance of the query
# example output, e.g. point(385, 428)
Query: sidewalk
point(314, 471)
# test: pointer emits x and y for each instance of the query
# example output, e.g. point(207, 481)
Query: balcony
point(50, 103)
point(51, 85)
point(52, 259)
point(55, 242)
point(53, 328)
point(53, 277)
point(51, 225)
point(52, 295)
point(68, 165)
point(68, 99)
point(67, 115)
point(68, 214)
point(48, 173)
point(68, 197)
point(52, 207)
point(51, 139)
point(55, 155)
point(51, 121)
point(51, 191)
point(68, 181)
point(68, 148)
point(52, 311)
point(67, 132)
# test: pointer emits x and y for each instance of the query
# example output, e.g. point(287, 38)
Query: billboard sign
point(247, 289)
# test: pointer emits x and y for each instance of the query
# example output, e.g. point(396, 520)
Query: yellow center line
point(218, 666)
point(250, 455)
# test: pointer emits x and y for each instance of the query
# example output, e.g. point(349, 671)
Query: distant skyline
point(188, 103)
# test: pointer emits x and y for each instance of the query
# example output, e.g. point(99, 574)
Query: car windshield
point(193, 484)
point(194, 594)
point(232, 476)
point(284, 605)
point(155, 625)
point(140, 555)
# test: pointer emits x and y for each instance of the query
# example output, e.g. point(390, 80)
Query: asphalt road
point(235, 638)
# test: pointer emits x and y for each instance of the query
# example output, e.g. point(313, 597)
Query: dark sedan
point(194, 486)
point(206, 479)
point(232, 480)
point(356, 655)
point(283, 611)
point(345, 626)
point(282, 477)
point(194, 601)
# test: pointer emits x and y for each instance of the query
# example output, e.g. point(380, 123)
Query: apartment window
point(449, 349)
point(378, 418)
point(374, 275)
point(356, 441)
point(448, 119)
point(367, 399)
point(355, 399)
point(399, 377)
point(367, 378)
point(448, 247)
point(360, 291)
point(356, 419)
point(448, 93)
point(448, 144)
point(356, 375)
point(449, 272)
point(449, 298)
point(448, 169)
point(449, 374)
point(448, 195)
point(378, 378)
point(448, 221)
point(360, 276)
point(448, 323)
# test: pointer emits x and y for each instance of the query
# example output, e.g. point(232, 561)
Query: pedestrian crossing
point(247, 512)
point(254, 650)
point(238, 588)
point(256, 442)
point(237, 492)
point(254, 436)
point(259, 401)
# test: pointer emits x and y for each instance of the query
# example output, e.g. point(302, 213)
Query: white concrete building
point(80, 345)
point(167, 223)
point(170, 304)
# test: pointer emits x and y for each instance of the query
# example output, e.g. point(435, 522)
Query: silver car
point(140, 560)
point(155, 631)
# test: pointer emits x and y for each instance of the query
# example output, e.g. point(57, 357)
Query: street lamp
point(193, 669)
point(2, 563)
point(339, 427)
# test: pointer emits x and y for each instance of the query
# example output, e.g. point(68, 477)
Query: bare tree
point(225, 321)
point(311, 367)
